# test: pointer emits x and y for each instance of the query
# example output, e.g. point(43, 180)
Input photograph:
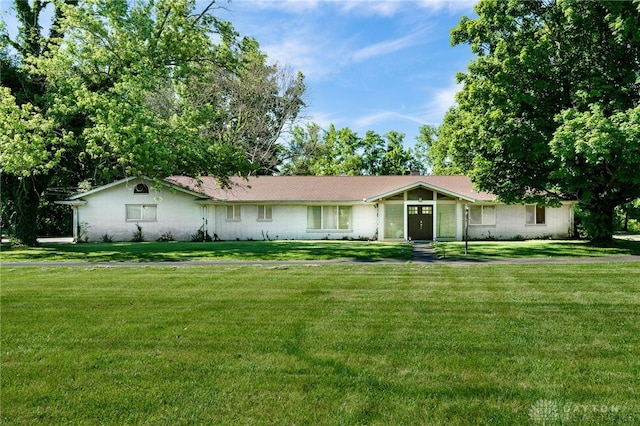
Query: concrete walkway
point(423, 252)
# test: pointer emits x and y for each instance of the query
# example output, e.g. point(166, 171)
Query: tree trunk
point(26, 198)
point(625, 225)
point(597, 219)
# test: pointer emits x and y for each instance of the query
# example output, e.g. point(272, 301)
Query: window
point(394, 220)
point(329, 217)
point(420, 194)
point(536, 215)
point(137, 212)
point(444, 197)
point(233, 213)
point(446, 223)
point(141, 188)
point(314, 217)
point(265, 213)
point(482, 215)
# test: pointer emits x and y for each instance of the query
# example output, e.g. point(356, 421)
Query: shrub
point(166, 237)
point(82, 235)
point(106, 238)
point(201, 236)
point(137, 235)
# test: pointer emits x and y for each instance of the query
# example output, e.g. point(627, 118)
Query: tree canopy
point(116, 88)
point(312, 150)
point(550, 106)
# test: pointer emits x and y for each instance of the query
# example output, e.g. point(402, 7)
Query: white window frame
point(265, 213)
point(485, 220)
point(531, 211)
point(234, 213)
point(336, 218)
point(147, 212)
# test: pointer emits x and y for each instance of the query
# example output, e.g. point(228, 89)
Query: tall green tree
point(396, 159)
point(422, 150)
point(340, 153)
point(260, 102)
point(30, 143)
point(374, 149)
point(108, 93)
point(302, 151)
point(549, 107)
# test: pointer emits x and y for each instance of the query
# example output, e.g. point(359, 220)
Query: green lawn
point(535, 248)
point(329, 344)
point(227, 250)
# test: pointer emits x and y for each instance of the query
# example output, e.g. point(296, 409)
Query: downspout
point(377, 236)
point(75, 222)
point(205, 222)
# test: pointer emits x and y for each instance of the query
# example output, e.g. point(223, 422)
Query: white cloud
point(389, 46)
point(363, 7)
point(440, 102)
point(307, 50)
point(371, 120)
point(290, 6)
point(368, 8)
point(451, 5)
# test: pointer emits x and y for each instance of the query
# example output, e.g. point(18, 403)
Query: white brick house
point(309, 207)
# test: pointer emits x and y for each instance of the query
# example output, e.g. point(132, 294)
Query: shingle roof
point(326, 188)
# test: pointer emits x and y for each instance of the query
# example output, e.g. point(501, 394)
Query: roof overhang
point(126, 180)
point(76, 202)
point(420, 184)
point(209, 201)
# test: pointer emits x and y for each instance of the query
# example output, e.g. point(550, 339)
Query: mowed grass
point(221, 250)
point(535, 249)
point(329, 344)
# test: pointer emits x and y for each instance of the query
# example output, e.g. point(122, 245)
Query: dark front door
point(420, 221)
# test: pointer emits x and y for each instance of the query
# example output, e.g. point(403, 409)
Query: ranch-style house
point(309, 207)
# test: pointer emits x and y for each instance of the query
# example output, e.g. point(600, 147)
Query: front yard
point(222, 250)
point(534, 249)
point(306, 250)
point(329, 344)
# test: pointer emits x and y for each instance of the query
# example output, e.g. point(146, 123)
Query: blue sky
point(369, 65)
point(376, 65)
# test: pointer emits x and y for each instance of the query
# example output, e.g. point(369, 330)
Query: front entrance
point(420, 222)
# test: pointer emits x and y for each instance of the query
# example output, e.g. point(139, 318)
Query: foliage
point(304, 147)
point(341, 152)
point(422, 151)
point(201, 236)
point(549, 107)
point(260, 102)
point(118, 89)
point(166, 237)
point(628, 217)
point(137, 236)
point(330, 344)
point(82, 233)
